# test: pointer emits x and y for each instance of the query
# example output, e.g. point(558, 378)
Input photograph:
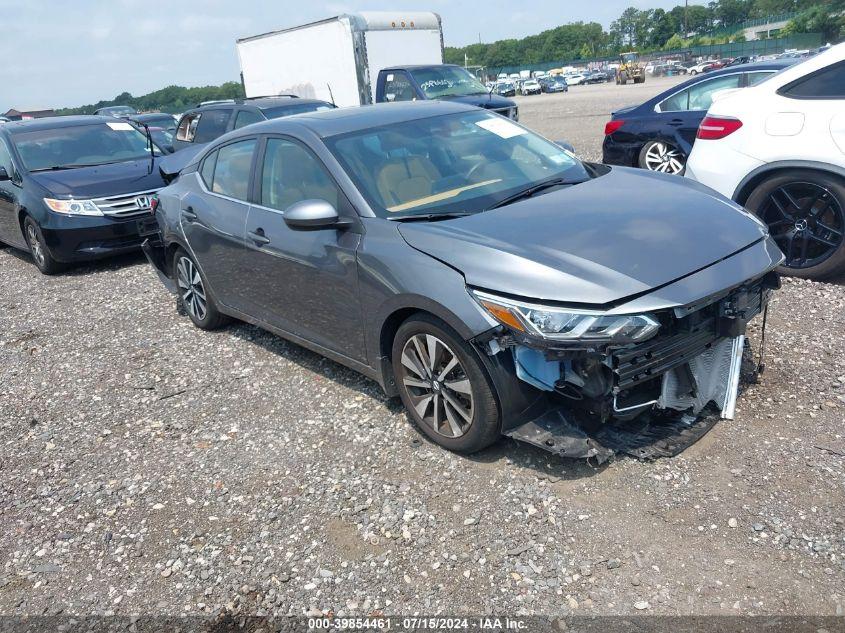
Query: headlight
point(568, 324)
point(73, 207)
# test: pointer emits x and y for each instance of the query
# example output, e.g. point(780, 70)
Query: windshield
point(465, 162)
point(296, 108)
point(447, 81)
point(165, 121)
point(81, 145)
point(118, 110)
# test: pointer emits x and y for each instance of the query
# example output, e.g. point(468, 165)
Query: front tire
point(194, 296)
point(805, 213)
point(443, 385)
point(662, 157)
point(41, 255)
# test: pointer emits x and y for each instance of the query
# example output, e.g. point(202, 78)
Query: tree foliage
point(654, 29)
point(173, 99)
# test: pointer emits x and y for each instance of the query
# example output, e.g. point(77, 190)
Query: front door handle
point(258, 237)
point(188, 214)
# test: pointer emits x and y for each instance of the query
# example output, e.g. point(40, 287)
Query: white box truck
point(362, 58)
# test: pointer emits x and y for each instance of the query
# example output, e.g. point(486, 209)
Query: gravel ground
point(578, 116)
point(149, 467)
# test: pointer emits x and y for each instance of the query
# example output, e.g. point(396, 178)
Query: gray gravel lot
point(149, 467)
point(578, 116)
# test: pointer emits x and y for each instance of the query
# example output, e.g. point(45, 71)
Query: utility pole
point(686, 24)
point(466, 60)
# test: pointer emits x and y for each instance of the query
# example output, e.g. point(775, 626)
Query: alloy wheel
point(35, 245)
point(191, 288)
point(437, 385)
point(807, 222)
point(664, 158)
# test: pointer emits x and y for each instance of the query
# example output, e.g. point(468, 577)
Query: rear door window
point(247, 117)
point(756, 77)
point(827, 83)
point(232, 169)
point(212, 124)
point(699, 96)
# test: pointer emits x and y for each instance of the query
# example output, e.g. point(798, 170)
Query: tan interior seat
point(406, 178)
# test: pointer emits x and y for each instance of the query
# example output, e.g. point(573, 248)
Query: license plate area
point(147, 226)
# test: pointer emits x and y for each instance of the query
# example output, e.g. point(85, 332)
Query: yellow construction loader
point(630, 68)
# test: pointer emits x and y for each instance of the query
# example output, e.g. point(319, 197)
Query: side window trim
point(215, 151)
point(345, 208)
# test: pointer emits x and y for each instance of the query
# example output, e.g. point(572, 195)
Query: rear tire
point(193, 293)
point(662, 157)
point(41, 256)
point(443, 385)
point(805, 213)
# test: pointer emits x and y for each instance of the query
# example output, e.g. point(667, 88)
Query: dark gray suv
point(206, 122)
point(488, 277)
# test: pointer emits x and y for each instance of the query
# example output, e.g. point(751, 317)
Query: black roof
point(418, 66)
point(342, 120)
point(262, 103)
point(54, 122)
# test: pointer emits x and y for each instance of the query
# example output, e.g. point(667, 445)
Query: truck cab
point(440, 81)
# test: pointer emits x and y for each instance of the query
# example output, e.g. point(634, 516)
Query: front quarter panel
point(393, 276)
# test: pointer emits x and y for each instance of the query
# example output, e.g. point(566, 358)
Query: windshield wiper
point(428, 217)
point(532, 190)
point(56, 168)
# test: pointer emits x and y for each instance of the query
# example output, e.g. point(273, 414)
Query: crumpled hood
point(102, 180)
point(597, 242)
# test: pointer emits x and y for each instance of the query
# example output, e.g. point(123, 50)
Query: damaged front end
point(648, 385)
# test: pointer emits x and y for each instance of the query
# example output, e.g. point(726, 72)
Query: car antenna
point(331, 96)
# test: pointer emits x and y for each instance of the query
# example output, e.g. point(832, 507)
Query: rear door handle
point(258, 237)
point(188, 214)
point(676, 122)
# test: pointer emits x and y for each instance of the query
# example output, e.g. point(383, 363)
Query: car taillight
point(713, 128)
point(611, 126)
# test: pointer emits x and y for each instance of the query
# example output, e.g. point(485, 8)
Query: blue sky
point(64, 53)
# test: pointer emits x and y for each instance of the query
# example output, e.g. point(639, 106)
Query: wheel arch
point(399, 312)
point(757, 176)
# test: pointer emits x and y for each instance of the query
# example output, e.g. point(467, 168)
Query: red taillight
point(611, 126)
point(713, 128)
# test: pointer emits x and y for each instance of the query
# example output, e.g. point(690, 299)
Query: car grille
point(651, 359)
point(126, 205)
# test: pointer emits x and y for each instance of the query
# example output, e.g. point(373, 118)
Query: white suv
point(779, 149)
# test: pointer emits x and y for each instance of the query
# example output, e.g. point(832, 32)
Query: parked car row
point(769, 135)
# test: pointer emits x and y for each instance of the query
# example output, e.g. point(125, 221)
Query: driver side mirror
point(4, 175)
point(311, 215)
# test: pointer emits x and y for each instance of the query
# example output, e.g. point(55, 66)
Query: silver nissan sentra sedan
point(485, 275)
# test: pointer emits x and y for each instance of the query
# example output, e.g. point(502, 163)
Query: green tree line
point(653, 29)
point(173, 99)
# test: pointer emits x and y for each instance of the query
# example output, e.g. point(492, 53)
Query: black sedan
point(659, 134)
point(76, 188)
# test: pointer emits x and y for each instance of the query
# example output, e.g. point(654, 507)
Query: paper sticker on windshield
point(560, 159)
point(500, 127)
point(119, 125)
